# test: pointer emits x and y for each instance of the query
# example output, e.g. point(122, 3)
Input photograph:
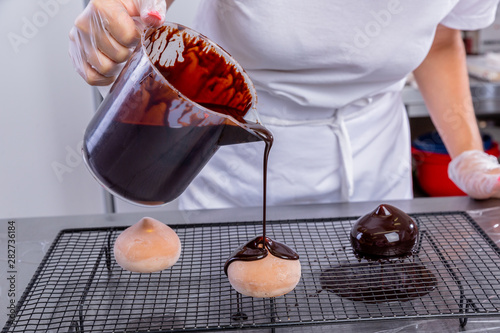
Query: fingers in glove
point(476, 173)
point(95, 78)
point(118, 23)
point(108, 27)
point(483, 186)
point(79, 58)
point(105, 33)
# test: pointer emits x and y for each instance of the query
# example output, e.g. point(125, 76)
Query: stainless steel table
point(33, 236)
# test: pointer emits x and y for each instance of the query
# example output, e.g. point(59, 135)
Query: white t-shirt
point(328, 75)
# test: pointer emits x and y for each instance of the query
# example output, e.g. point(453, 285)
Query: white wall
point(182, 11)
point(45, 107)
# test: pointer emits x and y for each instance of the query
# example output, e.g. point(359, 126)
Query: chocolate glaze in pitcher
point(176, 101)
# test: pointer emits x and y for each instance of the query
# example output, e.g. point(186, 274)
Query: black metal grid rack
point(78, 287)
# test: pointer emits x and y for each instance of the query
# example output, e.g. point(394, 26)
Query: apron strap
point(337, 124)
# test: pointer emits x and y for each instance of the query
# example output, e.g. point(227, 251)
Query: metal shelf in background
point(485, 97)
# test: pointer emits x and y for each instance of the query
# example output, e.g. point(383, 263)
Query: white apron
point(329, 79)
point(315, 160)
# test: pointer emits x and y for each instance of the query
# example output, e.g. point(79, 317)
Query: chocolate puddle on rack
point(379, 282)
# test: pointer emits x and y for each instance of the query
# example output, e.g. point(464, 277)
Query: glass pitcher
point(179, 97)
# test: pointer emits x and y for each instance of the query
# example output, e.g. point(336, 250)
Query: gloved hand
point(105, 34)
point(476, 173)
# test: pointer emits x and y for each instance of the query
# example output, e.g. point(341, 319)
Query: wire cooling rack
point(78, 287)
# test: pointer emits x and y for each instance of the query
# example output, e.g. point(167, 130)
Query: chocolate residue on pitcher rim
point(199, 70)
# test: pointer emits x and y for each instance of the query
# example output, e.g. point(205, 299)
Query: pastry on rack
point(263, 268)
point(385, 233)
point(147, 246)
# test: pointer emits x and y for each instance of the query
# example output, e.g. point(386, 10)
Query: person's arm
point(444, 83)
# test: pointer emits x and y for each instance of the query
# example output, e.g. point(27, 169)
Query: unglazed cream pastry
point(147, 246)
point(263, 269)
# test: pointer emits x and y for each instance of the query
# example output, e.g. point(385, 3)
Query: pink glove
point(105, 35)
point(476, 173)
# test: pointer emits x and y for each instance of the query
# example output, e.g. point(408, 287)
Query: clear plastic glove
point(476, 173)
point(105, 34)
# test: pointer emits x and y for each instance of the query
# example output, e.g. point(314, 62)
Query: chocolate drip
point(264, 190)
point(257, 249)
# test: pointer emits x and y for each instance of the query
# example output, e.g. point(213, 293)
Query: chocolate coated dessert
point(385, 233)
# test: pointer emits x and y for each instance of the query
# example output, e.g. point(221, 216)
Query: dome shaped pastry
point(385, 233)
point(263, 269)
point(147, 246)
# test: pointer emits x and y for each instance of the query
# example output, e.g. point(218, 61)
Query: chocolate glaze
point(155, 175)
point(385, 233)
point(258, 248)
point(372, 282)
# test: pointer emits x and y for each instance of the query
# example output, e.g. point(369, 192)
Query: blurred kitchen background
point(45, 107)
